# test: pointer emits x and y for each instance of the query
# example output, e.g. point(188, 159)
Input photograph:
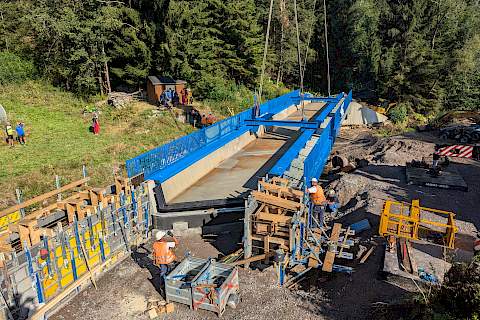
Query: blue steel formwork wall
point(169, 159)
point(315, 161)
point(285, 161)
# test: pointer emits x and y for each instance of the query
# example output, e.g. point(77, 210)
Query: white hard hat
point(314, 180)
point(331, 192)
point(160, 234)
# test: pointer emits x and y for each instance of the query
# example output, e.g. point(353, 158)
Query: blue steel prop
point(77, 237)
point(283, 123)
point(48, 259)
point(102, 249)
point(91, 234)
point(74, 264)
point(165, 161)
point(147, 221)
point(34, 275)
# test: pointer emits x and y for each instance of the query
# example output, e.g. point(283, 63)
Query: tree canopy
point(423, 54)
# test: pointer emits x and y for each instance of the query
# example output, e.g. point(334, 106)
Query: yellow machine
point(409, 220)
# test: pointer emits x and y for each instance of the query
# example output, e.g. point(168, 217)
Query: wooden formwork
point(83, 201)
point(52, 249)
point(277, 220)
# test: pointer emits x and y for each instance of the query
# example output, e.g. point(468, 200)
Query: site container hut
point(157, 85)
point(202, 284)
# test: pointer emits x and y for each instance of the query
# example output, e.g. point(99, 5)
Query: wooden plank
point(328, 261)
point(266, 248)
point(43, 196)
point(280, 241)
point(281, 189)
point(413, 262)
point(335, 232)
point(282, 181)
point(273, 217)
point(276, 201)
point(88, 264)
point(252, 259)
point(330, 255)
point(24, 235)
point(344, 242)
point(367, 254)
point(404, 254)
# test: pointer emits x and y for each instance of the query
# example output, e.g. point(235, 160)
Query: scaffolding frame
point(405, 220)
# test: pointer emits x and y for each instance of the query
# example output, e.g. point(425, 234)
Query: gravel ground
point(123, 292)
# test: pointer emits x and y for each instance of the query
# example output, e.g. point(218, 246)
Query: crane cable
point(310, 31)
point(326, 47)
point(265, 52)
point(299, 58)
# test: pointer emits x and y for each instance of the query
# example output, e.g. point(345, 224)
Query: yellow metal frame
point(408, 220)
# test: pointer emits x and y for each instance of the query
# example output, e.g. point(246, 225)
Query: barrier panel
point(170, 153)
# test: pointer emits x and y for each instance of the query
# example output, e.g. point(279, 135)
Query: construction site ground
point(123, 292)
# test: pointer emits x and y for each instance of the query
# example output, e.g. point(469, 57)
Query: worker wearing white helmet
point(163, 254)
point(332, 201)
point(317, 197)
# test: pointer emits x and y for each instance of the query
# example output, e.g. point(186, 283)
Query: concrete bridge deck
point(240, 172)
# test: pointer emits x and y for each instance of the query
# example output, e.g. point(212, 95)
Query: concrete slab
point(239, 173)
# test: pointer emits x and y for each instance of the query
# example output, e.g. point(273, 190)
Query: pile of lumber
point(157, 307)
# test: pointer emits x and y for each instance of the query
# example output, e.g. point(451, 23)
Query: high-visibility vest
point(318, 197)
point(9, 130)
point(162, 253)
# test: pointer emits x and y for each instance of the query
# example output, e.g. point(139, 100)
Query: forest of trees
point(424, 54)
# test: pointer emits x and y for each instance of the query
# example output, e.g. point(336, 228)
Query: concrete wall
point(184, 179)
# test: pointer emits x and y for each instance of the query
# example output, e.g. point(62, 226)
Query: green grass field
point(59, 142)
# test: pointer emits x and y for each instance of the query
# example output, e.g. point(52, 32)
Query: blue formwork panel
point(284, 162)
point(168, 172)
point(167, 160)
point(316, 160)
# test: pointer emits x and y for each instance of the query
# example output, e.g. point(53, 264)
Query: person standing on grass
point(20, 132)
point(95, 124)
point(9, 132)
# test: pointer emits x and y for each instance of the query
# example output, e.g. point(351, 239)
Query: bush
point(14, 69)
point(399, 114)
point(460, 293)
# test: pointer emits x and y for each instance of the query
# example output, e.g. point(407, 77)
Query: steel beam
point(282, 123)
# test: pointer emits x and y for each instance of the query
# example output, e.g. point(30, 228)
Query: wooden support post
point(247, 229)
point(266, 248)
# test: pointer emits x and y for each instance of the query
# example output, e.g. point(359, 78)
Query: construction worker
point(317, 197)
point(9, 132)
point(332, 201)
point(20, 129)
point(163, 254)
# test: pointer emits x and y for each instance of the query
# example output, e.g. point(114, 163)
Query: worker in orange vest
point(317, 197)
point(163, 254)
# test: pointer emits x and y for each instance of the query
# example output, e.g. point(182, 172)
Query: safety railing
point(170, 153)
point(315, 161)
